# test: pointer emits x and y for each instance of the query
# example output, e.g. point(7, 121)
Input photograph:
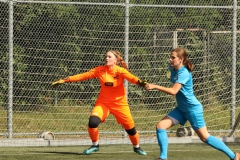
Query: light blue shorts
point(195, 118)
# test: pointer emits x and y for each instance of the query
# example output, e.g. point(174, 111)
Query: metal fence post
point(234, 32)
point(126, 41)
point(10, 78)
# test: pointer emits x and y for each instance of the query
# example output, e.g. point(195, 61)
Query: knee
point(203, 139)
point(165, 123)
point(94, 121)
point(203, 136)
point(161, 125)
point(158, 126)
point(131, 132)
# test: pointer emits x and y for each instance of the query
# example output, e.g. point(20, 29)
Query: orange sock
point(94, 134)
point(134, 139)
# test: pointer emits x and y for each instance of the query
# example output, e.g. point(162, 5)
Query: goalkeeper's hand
point(142, 83)
point(57, 83)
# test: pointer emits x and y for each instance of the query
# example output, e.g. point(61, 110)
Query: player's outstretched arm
point(61, 81)
point(172, 90)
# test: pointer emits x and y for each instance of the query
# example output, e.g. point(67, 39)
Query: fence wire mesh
point(56, 39)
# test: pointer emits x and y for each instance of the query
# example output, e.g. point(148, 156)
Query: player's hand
point(142, 83)
point(57, 83)
point(149, 86)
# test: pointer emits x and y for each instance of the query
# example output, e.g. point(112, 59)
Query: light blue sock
point(162, 138)
point(219, 145)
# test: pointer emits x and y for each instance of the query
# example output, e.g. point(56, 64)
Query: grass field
point(198, 151)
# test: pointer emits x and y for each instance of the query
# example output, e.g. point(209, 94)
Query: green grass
point(198, 151)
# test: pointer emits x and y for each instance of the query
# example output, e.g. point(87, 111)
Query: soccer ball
point(185, 132)
point(46, 135)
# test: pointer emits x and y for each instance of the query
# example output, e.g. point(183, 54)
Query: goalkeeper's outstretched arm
point(61, 81)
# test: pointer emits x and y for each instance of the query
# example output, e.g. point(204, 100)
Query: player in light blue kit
point(188, 107)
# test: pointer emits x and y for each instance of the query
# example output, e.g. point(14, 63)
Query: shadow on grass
point(55, 152)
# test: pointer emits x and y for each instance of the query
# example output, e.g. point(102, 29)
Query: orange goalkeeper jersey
point(112, 83)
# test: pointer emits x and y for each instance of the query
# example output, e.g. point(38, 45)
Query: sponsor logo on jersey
point(108, 83)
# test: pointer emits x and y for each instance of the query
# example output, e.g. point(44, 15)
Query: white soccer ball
point(46, 135)
point(185, 132)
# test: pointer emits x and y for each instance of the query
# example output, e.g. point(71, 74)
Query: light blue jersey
point(186, 99)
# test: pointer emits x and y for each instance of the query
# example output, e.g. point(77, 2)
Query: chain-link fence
point(43, 41)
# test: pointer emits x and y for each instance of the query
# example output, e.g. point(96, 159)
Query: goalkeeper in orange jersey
point(112, 98)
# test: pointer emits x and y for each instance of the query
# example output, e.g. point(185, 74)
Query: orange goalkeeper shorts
point(121, 113)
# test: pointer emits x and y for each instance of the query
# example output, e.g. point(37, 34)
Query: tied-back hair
point(119, 58)
point(181, 53)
